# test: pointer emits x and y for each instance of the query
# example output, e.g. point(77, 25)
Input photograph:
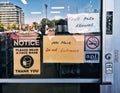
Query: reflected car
point(14, 36)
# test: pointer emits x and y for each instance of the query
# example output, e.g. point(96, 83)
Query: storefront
point(62, 46)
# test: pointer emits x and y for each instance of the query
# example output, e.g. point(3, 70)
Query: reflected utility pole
point(46, 6)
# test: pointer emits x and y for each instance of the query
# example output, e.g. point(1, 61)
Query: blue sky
point(35, 9)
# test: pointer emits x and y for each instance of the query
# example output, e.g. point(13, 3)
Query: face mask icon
point(26, 61)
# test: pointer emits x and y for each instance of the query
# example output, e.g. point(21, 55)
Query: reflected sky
point(35, 9)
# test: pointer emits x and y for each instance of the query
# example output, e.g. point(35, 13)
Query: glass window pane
point(50, 39)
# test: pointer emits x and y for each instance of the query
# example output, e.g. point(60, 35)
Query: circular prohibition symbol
point(92, 42)
point(27, 61)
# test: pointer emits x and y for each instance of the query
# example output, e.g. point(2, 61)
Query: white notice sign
point(83, 23)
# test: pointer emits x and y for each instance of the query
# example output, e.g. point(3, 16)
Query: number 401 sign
point(92, 57)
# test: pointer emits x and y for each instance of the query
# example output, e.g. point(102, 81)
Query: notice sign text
point(26, 57)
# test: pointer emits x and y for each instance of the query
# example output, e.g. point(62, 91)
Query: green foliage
point(1, 29)
point(43, 22)
point(35, 25)
point(52, 23)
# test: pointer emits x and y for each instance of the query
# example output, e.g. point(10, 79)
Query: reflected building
point(11, 14)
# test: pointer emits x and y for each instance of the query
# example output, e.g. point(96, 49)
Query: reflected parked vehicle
point(14, 36)
point(11, 34)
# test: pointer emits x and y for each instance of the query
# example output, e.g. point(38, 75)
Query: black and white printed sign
point(92, 57)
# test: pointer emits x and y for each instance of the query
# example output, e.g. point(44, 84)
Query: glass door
point(51, 39)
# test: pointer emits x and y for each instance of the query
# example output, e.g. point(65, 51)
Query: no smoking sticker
point(92, 42)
